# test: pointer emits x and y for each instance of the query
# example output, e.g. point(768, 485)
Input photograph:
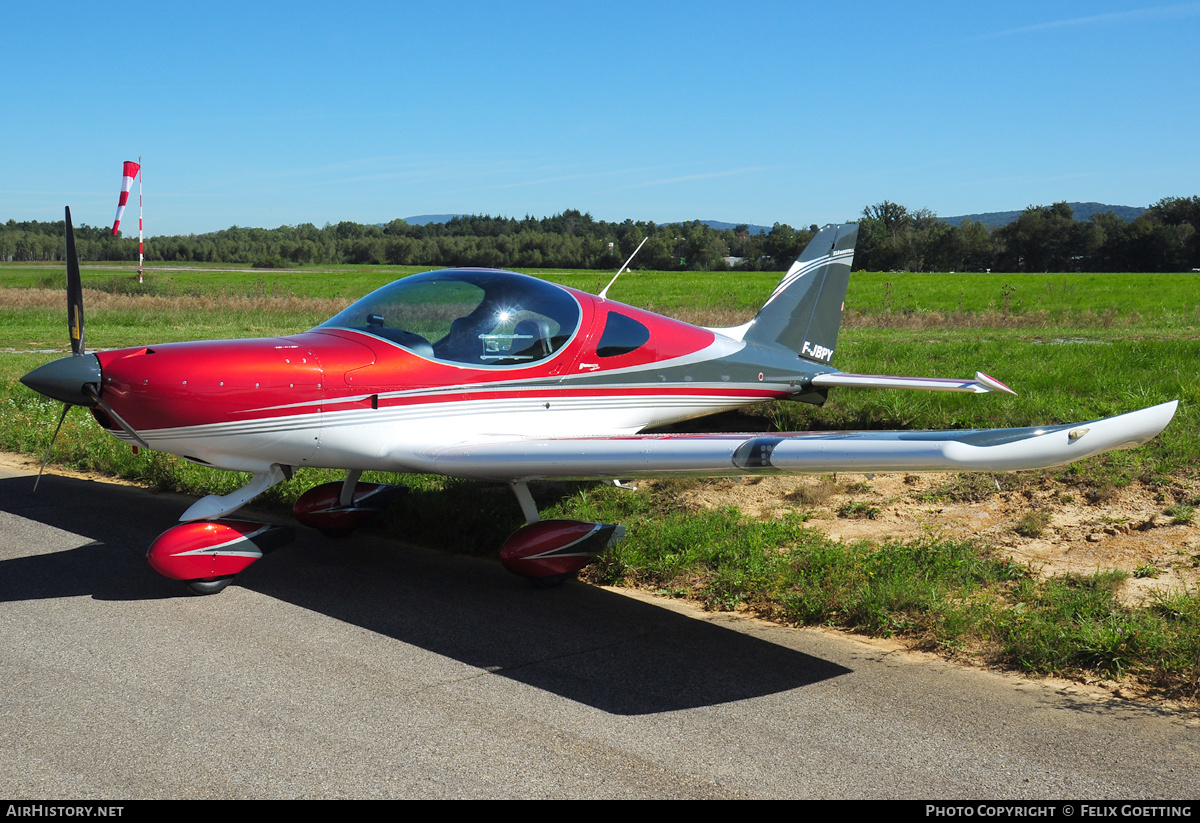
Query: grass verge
point(959, 598)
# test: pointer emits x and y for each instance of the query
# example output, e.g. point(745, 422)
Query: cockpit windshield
point(479, 317)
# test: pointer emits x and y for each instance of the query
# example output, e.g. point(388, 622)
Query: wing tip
point(1162, 414)
point(990, 383)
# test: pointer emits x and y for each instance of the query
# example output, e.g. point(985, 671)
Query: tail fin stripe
point(793, 275)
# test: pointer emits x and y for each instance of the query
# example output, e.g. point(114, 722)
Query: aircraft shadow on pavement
point(613, 653)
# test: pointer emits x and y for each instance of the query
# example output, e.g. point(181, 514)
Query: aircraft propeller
point(74, 380)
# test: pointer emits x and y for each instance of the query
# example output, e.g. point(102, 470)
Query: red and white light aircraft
point(490, 374)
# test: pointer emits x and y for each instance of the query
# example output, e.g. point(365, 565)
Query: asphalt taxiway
point(360, 668)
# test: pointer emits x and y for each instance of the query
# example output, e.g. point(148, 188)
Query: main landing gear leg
point(549, 552)
point(218, 505)
point(528, 507)
point(346, 495)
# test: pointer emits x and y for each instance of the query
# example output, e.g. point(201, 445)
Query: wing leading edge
point(653, 455)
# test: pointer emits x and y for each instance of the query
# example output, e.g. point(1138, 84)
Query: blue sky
point(265, 114)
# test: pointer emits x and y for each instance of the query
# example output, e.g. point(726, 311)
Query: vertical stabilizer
point(804, 312)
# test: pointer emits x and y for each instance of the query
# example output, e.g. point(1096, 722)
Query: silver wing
point(651, 455)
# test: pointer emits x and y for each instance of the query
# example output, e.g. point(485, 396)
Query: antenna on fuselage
point(627, 262)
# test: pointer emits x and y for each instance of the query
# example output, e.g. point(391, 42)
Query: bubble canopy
point(480, 317)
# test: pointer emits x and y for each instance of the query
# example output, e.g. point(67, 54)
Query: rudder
point(804, 312)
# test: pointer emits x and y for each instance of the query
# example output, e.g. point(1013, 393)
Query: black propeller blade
point(75, 330)
point(46, 459)
point(74, 291)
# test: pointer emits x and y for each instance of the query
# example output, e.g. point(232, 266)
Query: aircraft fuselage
point(337, 396)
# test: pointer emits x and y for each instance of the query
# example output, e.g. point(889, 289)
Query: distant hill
point(1083, 212)
point(720, 226)
point(422, 219)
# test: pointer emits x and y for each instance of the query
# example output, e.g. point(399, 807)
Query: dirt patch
point(1053, 528)
point(30, 465)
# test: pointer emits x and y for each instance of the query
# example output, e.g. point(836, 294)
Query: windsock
point(127, 175)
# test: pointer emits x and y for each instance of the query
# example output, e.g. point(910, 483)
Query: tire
point(551, 582)
point(206, 587)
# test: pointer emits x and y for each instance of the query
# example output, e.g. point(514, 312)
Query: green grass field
point(1163, 302)
point(1074, 347)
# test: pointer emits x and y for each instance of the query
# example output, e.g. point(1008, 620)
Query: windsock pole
point(140, 247)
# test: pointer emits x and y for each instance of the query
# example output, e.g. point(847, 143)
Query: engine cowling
point(553, 548)
point(212, 549)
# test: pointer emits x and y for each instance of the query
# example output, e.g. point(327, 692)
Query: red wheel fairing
point(551, 548)
point(319, 507)
point(211, 549)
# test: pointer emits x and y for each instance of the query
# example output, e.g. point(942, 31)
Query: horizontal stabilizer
point(981, 383)
point(656, 455)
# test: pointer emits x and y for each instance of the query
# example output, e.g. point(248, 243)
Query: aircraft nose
point(64, 379)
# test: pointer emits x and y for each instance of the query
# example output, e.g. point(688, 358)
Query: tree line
point(570, 240)
point(1043, 238)
point(1166, 237)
